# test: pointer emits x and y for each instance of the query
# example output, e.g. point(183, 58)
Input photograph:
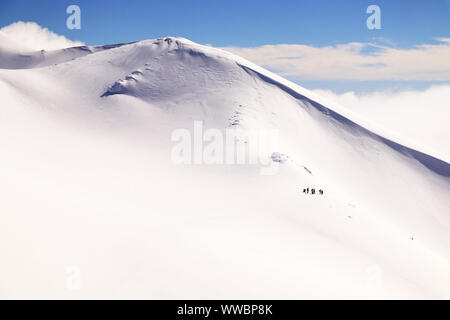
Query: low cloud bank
point(354, 61)
point(420, 116)
point(31, 36)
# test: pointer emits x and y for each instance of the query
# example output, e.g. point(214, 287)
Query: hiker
point(304, 190)
point(321, 192)
point(307, 190)
point(313, 191)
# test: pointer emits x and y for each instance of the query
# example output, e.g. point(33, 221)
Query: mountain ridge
point(87, 143)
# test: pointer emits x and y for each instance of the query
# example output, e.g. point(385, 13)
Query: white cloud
point(32, 36)
point(353, 61)
point(443, 39)
point(419, 116)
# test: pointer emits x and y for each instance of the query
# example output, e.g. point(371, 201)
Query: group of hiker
point(312, 191)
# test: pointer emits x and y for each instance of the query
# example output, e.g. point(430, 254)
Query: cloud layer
point(354, 61)
point(32, 36)
point(419, 116)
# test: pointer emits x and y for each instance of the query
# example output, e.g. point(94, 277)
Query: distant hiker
point(313, 191)
point(304, 190)
point(321, 192)
point(307, 190)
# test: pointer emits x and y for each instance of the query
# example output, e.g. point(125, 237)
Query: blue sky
point(405, 24)
point(238, 23)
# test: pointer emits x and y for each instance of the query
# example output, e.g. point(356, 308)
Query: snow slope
point(88, 182)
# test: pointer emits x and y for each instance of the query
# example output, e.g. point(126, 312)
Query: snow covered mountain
point(88, 182)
